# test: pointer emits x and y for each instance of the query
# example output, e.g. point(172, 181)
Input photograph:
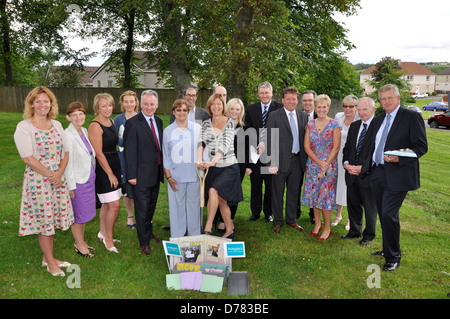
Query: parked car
point(435, 106)
point(437, 120)
point(414, 108)
point(420, 95)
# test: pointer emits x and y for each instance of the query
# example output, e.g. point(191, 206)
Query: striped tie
point(358, 146)
point(264, 115)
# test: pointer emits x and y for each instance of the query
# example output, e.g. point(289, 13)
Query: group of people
point(303, 156)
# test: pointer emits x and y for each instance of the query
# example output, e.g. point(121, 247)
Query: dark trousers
point(145, 199)
point(388, 204)
point(256, 202)
point(359, 201)
point(289, 181)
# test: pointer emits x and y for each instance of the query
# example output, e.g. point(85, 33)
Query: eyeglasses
point(348, 106)
point(181, 110)
point(190, 95)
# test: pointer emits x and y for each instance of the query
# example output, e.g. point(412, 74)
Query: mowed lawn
point(289, 265)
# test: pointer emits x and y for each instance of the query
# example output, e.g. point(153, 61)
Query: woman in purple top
point(80, 174)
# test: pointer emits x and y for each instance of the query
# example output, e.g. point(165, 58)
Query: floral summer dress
point(317, 192)
point(45, 208)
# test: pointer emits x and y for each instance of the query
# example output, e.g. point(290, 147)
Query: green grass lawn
point(289, 265)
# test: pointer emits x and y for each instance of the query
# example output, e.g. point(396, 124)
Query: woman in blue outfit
point(179, 151)
point(129, 103)
point(322, 141)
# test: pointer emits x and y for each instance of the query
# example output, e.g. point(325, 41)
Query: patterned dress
point(44, 207)
point(320, 192)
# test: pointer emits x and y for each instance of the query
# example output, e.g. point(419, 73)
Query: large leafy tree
point(239, 43)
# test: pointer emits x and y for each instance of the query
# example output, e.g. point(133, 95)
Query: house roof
point(85, 75)
point(445, 72)
point(411, 68)
point(141, 63)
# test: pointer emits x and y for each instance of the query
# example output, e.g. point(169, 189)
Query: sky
point(409, 30)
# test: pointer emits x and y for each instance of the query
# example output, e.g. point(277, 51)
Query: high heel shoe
point(60, 264)
point(312, 234)
point(323, 239)
point(87, 255)
point(101, 237)
point(113, 248)
point(336, 221)
point(230, 236)
point(58, 273)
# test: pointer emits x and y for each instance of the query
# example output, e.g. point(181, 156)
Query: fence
point(12, 98)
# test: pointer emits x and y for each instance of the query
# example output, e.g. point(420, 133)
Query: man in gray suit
point(196, 114)
point(285, 135)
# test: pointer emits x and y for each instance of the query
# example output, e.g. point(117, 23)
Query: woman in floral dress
point(322, 140)
point(46, 204)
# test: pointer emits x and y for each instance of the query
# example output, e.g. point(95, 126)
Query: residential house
point(443, 81)
point(85, 75)
point(148, 77)
point(421, 79)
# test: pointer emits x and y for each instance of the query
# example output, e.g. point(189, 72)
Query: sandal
point(336, 221)
point(131, 226)
point(87, 255)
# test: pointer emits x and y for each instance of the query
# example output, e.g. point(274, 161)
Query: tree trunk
point(177, 56)
point(6, 54)
point(240, 67)
point(126, 59)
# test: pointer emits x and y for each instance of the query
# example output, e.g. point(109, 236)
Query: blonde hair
point(106, 96)
point(228, 107)
point(28, 111)
point(211, 100)
point(129, 93)
point(322, 98)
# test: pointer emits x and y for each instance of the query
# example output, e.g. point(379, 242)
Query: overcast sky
point(410, 30)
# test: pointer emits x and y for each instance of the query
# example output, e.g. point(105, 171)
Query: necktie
point(360, 139)
point(380, 148)
point(156, 140)
point(296, 143)
point(264, 115)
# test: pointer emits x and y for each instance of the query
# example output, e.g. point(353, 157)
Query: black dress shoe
point(350, 236)
point(365, 241)
point(390, 266)
point(269, 219)
point(377, 253)
point(153, 237)
point(145, 250)
point(253, 218)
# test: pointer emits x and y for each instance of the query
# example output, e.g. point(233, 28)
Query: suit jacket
point(253, 116)
point(80, 162)
point(141, 151)
point(349, 153)
point(200, 115)
point(282, 139)
point(407, 131)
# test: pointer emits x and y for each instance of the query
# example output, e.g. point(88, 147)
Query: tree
point(388, 71)
point(119, 24)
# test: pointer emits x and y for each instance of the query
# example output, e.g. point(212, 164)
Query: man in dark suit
point(391, 177)
point(307, 98)
point(285, 136)
point(143, 157)
point(256, 117)
point(196, 114)
point(359, 196)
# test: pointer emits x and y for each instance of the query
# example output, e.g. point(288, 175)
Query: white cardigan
point(79, 167)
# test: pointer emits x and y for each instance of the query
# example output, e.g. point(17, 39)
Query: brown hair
point(291, 89)
point(129, 93)
point(75, 106)
point(28, 112)
point(179, 103)
point(211, 100)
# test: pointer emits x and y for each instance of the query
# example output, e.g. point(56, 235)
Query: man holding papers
point(391, 177)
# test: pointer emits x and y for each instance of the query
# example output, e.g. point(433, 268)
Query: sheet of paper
point(191, 280)
point(403, 153)
point(254, 156)
point(173, 281)
point(211, 284)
